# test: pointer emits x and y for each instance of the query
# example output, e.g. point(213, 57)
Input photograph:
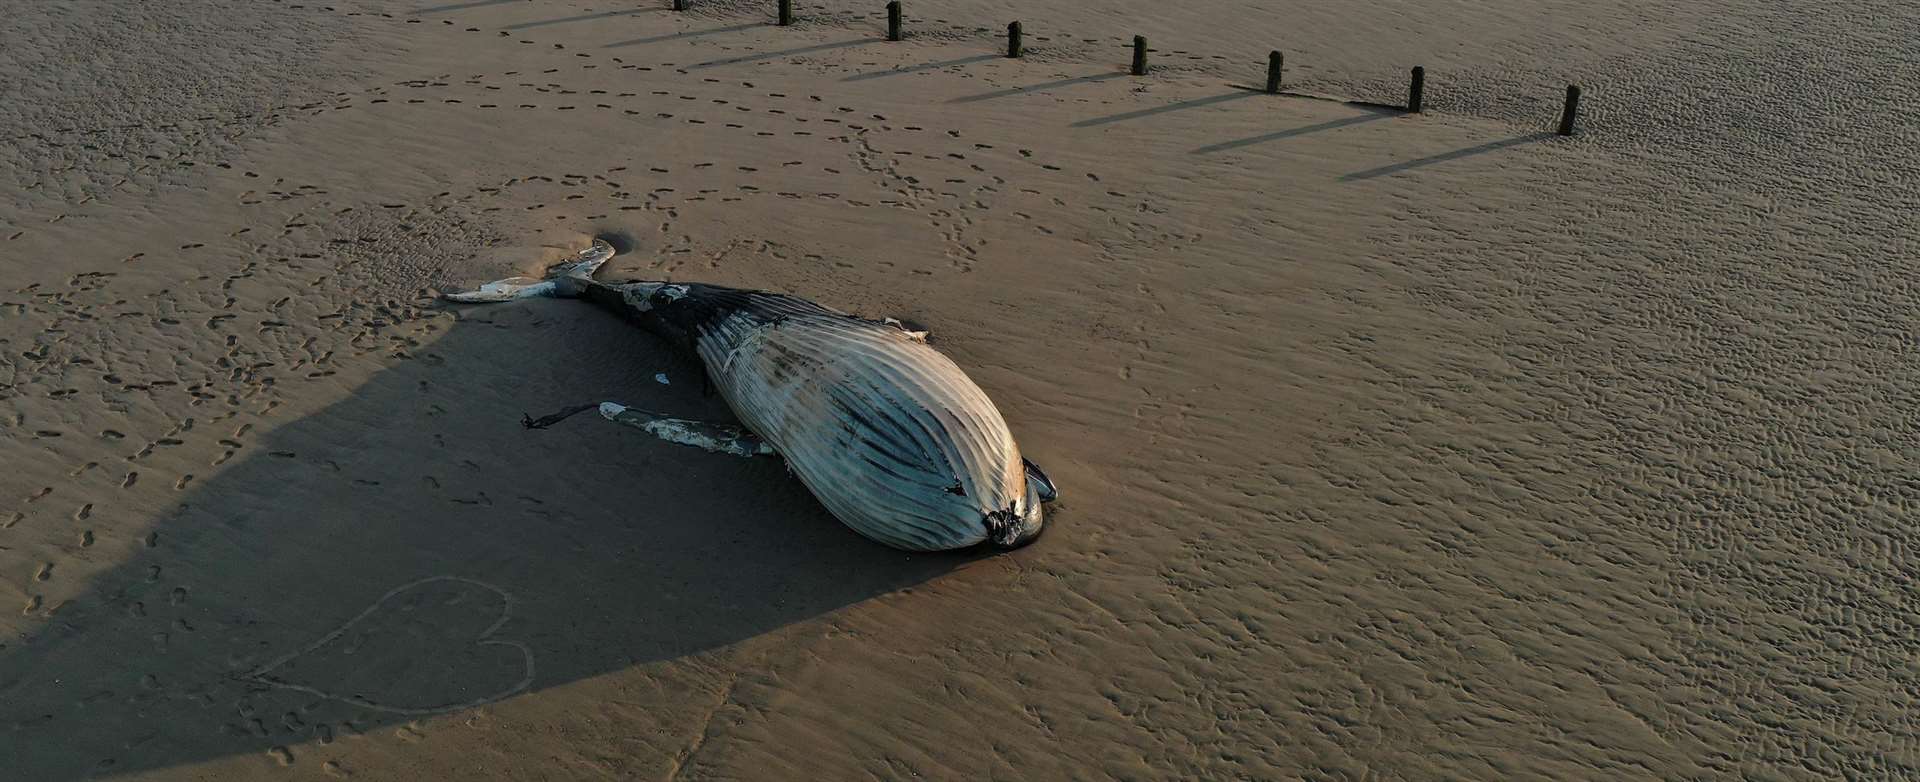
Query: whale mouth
point(1037, 478)
point(1009, 529)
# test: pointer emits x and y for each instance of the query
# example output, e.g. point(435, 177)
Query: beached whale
point(891, 436)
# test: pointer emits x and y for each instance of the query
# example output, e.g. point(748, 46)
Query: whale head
point(1022, 522)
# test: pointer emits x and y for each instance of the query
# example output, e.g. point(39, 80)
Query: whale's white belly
point(891, 436)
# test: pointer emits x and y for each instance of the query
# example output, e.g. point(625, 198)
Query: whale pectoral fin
point(915, 334)
point(718, 438)
point(584, 263)
point(1048, 493)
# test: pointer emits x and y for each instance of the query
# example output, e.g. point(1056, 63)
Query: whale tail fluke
point(563, 280)
point(583, 265)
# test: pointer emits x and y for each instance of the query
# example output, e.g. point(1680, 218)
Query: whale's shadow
point(412, 549)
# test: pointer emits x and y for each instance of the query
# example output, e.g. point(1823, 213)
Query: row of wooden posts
point(1276, 62)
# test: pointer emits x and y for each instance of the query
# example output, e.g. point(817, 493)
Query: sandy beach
point(1391, 446)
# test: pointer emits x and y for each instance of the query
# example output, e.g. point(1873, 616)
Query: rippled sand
point(1392, 446)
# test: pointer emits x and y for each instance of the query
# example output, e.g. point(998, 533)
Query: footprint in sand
point(426, 647)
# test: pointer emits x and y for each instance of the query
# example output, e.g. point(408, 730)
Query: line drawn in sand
point(388, 662)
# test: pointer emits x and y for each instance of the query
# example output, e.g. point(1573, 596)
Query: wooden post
point(1571, 111)
point(893, 20)
point(786, 12)
point(1416, 91)
point(679, 5)
point(1276, 62)
point(1139, 55)
point(1013, 39)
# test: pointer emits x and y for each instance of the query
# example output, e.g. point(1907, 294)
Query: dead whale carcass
point(891, 436)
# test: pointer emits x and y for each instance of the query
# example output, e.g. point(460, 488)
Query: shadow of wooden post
point(1479, 149)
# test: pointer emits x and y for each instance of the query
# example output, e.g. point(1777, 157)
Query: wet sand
point(1391, 446)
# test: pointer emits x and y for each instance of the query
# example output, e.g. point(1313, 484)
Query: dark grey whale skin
point(888, 433)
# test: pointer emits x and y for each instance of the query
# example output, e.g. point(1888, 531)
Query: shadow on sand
point(763, 56)
point(1478, 149)
point(1171, 107)
point(1371, 115)
point(441, 9)
point(925, 66)
point(582, 18)
point(1041, 87)
point(411, 550)
point(681, 36)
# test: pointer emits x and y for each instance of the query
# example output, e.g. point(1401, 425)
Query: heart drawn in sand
point(425, 647)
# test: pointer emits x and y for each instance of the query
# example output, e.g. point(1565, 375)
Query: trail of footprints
point(950, 204)
point(546, 84)
point(252, 375)
point(934, 29)
point(202, 406)
point(207, 410)
point(968, 191)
